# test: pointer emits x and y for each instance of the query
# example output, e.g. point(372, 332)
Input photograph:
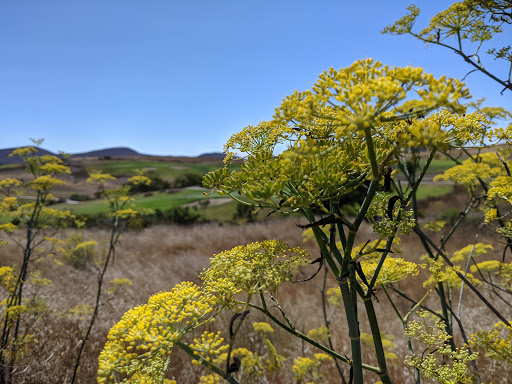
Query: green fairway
point(438, 165)
point(426, 191)
point(160, 201)
point(166, 170)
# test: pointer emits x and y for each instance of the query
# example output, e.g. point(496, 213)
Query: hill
point(115, 151)
point(109, 152)
point(5, 159)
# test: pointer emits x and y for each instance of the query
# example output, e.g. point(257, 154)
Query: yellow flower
point(393, 270)
point(263, 327)
point(98, 177)
point(309, 368)
point(144, 337)
point(45, 183)
point(8, 227)
point(253, 268)
point(475, 250)
point(210, 347)
point(321, 334)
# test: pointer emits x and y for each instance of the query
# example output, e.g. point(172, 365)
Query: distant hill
point(5, 159)
point(213, 155)
point(116, 151)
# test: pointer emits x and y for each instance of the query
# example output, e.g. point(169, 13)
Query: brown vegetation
point(157, 258)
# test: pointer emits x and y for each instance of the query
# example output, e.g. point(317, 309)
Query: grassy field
point(426, 191)
point(159, 200)
point(157, 258)
point(166, 170)
point(171, 170)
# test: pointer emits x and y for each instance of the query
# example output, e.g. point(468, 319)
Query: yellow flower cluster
point(387, 344)
point(502, 270)
point(8, 278)
point(253, 140)
point(263, 327)
point(350, 119)
point(139, 180)
point(80, 311)
point(334, 296)
point(379, 217)
point(210, 379)
point(435, 226)
point(99, 177)
point(439, 361)
point(144, 337)
point(252, 365)
point(496, 344)
point(461, 20)
point(306, 368)
point(320, 334)
point(116, 284)
point(210, 346)
point(486, 167)
point(501, 187)
point(362, 92)
point(439, 273)
point(8, 227)
point(474, 250)
point(393, 269)
point(252, 268)
point(9, 183)
point(46, 165)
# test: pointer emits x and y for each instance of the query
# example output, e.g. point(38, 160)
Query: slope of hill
point(5, 159)
point(116, 151)
point(112, 152)
point(212, 155)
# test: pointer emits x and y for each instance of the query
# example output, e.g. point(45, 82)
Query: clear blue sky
point(173, 77)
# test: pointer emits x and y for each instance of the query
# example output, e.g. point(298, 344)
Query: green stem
point(327, 324)
point(417, 183)
point(212, 367)
point(302, 336)
point(321, 243)
point(353, 326)
point(166, 366)
point(403, 320)
point(371, 153)
point(111, 250)
point(462, 277)
point(377, 341)
point(233, 336)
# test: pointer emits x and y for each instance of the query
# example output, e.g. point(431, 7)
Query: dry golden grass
point(159, 257)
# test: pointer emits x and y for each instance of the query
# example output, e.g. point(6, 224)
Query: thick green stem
point(353, 328)
point(321, 243)
point(377, 341)
point(371, 152)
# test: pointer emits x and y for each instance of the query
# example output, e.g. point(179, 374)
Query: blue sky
point(173, 77)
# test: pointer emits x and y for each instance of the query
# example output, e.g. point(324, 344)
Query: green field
point(162, 201)
point(438, 165)
point(166, 170)
point(426, 191)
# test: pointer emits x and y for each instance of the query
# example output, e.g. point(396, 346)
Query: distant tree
point(188, 179)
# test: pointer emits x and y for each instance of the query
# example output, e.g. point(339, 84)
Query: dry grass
point(159, 257)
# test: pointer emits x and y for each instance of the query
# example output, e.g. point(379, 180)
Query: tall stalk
point(114, 237)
